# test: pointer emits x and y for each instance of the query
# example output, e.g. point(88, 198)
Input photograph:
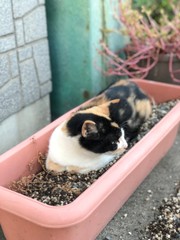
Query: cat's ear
point(89, 129)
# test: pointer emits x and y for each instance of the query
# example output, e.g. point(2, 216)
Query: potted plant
point(23, 218)
point(153, 48)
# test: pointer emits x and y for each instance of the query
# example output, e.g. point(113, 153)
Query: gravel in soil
point(166, 223)
point(63, 188)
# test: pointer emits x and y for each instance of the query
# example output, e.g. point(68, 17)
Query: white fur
point(66, 151)
point(122, 142)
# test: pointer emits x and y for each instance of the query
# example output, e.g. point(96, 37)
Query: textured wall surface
point(24, 55)
point(25, 75)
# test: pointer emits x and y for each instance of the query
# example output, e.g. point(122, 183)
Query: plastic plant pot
point(23, 218)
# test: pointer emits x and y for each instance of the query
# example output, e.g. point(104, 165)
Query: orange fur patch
point(101, 110)
point(64, 128)
point(144, 108)
point(121, 83)
point(114, 125)
point(98, 110)
point(52, 166)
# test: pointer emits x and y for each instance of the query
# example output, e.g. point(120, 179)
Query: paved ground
point(138, 210)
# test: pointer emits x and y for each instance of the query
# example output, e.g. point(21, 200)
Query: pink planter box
point(23, 218)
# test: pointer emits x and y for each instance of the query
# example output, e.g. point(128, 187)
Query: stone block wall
point(25, 75)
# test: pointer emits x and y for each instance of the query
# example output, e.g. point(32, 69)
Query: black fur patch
point(125, 92)
point(74, 125)
point(124, 113)
point(107, 137)
point(120, 112)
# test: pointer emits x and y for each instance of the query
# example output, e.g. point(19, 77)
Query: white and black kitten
point(100, 130)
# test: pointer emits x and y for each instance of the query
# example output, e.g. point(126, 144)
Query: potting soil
point(63, 188)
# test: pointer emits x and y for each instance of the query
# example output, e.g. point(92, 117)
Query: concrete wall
point(24, 70)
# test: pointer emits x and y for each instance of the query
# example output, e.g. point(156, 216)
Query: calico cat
point(100, 130)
